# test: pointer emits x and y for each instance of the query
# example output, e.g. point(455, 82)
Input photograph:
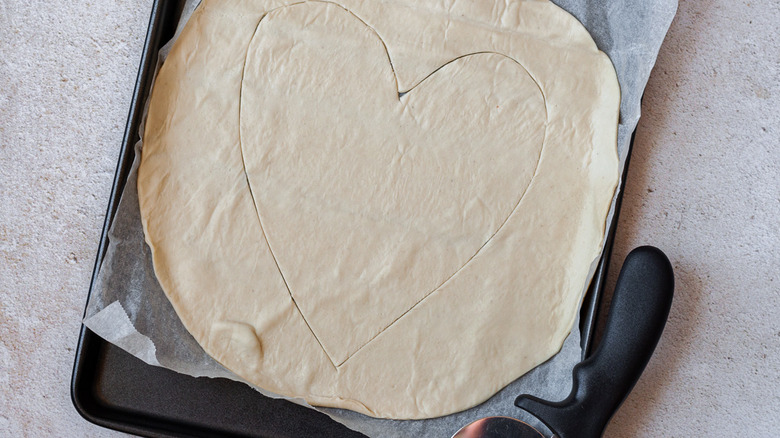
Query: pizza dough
point(385, 206)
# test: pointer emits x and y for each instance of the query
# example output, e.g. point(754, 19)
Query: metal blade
point(498, 427)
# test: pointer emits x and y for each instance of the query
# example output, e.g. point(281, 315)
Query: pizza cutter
point(600, 384)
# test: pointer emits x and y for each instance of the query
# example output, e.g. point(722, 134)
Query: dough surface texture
point(385, 206)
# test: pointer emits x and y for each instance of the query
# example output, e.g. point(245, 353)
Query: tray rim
point(99, 414)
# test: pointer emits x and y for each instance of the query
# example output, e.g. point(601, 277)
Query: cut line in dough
point(340, 361)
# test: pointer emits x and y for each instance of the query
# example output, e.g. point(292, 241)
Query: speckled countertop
point(704, 185)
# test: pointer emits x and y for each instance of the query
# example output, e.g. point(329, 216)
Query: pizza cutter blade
point(600, 384)
point(498, 427)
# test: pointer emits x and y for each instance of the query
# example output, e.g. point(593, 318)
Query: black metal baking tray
point(113, 389)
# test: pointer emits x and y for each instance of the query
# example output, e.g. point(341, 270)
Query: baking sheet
point(129, 309)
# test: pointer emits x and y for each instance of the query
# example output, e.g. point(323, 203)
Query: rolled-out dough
point(385, 206)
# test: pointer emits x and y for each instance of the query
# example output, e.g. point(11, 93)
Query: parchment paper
point(129, 309)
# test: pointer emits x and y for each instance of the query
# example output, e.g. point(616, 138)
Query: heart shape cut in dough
point(369, 198)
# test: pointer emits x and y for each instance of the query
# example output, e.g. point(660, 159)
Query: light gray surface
point(703, 185)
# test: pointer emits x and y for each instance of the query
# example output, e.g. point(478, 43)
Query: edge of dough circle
point(386, 206)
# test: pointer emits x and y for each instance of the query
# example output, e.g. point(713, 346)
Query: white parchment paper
point(129, 309)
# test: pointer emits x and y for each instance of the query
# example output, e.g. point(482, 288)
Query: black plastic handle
point(640, 307)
